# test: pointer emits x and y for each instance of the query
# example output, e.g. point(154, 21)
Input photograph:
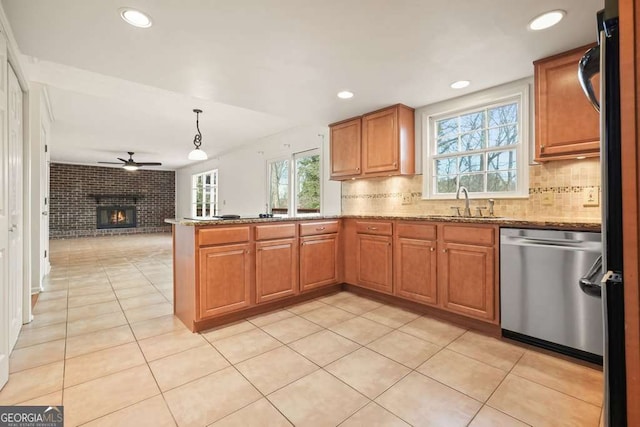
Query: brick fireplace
point(96, 201)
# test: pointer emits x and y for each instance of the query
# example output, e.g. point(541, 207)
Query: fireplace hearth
point(116, 217)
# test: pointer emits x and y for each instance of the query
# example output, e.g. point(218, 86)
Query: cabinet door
point(318, 261)
point(345, 149)
point(276, 263)
point(225, 279)
point(374, 262)
point(468, 280)
point(567, 125)
point(415, 269)
point(380, 144)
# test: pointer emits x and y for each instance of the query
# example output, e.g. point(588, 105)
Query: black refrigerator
point(604, 60)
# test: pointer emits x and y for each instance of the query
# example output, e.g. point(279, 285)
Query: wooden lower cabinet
point(318, 261)
point(415, 270)
point(276, 269)
point(225, 279)
point(374, 262)
point(467, 279)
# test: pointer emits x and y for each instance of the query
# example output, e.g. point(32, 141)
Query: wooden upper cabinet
point(318, 261)
point(276, 269)
point(567, 125)
point(380, 143)
point(225, 279)
point(388, 142)
point(346, 157)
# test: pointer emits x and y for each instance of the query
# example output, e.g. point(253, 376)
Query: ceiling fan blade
point(111, 163)
point(149, 164)
point(122, 160)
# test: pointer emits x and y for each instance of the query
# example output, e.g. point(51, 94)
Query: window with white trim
point(483, 147)
point(304, 196)
point(204, 199)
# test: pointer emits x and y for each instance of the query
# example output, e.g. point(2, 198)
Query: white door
point(45, 265)
point(4, 219)
point(16, 268)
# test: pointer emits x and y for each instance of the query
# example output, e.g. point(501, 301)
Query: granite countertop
point(550, 223)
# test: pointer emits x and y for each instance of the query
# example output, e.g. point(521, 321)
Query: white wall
point(242, 173)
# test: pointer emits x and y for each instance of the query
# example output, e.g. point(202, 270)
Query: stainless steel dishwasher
point(541, 300)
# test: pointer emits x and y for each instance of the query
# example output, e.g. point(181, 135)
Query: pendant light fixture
point(197, 153)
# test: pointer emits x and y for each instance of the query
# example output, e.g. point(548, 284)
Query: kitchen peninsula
point(226, 270)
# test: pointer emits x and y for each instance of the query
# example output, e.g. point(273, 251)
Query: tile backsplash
point(556, 191)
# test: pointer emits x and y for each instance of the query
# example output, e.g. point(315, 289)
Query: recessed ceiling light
point(460, 84)
point(581, 157)
point(546, 20)
point(135, 17)
point(345, 94)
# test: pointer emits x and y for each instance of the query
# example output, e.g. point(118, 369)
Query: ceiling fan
point(130, 164)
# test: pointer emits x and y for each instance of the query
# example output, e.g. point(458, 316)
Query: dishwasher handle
point(590, 283)
point(550, 241)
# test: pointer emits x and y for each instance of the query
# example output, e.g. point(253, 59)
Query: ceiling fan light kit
point(130, 164)
point(197, 153)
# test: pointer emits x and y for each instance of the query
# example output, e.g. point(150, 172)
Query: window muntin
point(204, 200)
point(481, 148)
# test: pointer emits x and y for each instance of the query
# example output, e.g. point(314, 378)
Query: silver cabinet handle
point(432, 249)
point(13, 228)
point(372, 228)
point(320, 228)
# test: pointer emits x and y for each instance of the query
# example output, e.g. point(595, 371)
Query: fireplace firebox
point(116, 216)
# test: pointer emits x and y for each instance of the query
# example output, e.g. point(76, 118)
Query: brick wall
point(72, 212)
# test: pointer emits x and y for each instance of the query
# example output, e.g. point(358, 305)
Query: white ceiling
point(260, 66)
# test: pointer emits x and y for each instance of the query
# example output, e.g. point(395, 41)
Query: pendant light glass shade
point(197, 153)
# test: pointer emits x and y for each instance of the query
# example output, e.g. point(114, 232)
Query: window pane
point(447, 166)
point(507, 114)
point(447, 128)
point(448, 145)
point(279, 186)
point(472, 141)
point(504, 135)
point(471, 163)
point(474, 183)
point(501, 160)
point(446, 184)
point(308, 180)
point(473, 121)
point(501, 181)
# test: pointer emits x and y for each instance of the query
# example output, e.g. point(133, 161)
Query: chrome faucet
point(467, 210)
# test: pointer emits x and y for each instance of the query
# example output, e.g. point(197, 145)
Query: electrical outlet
point(591, 197)
point(547, 199)
point(407, 199)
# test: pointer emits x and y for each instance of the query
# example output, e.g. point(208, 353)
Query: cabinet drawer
point(416, 231)
point(469, 234)
point(275, 231)
point(218, 236)
point(324, 227)
point(367, 227)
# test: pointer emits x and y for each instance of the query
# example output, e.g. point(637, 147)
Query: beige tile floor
point(105, 344)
